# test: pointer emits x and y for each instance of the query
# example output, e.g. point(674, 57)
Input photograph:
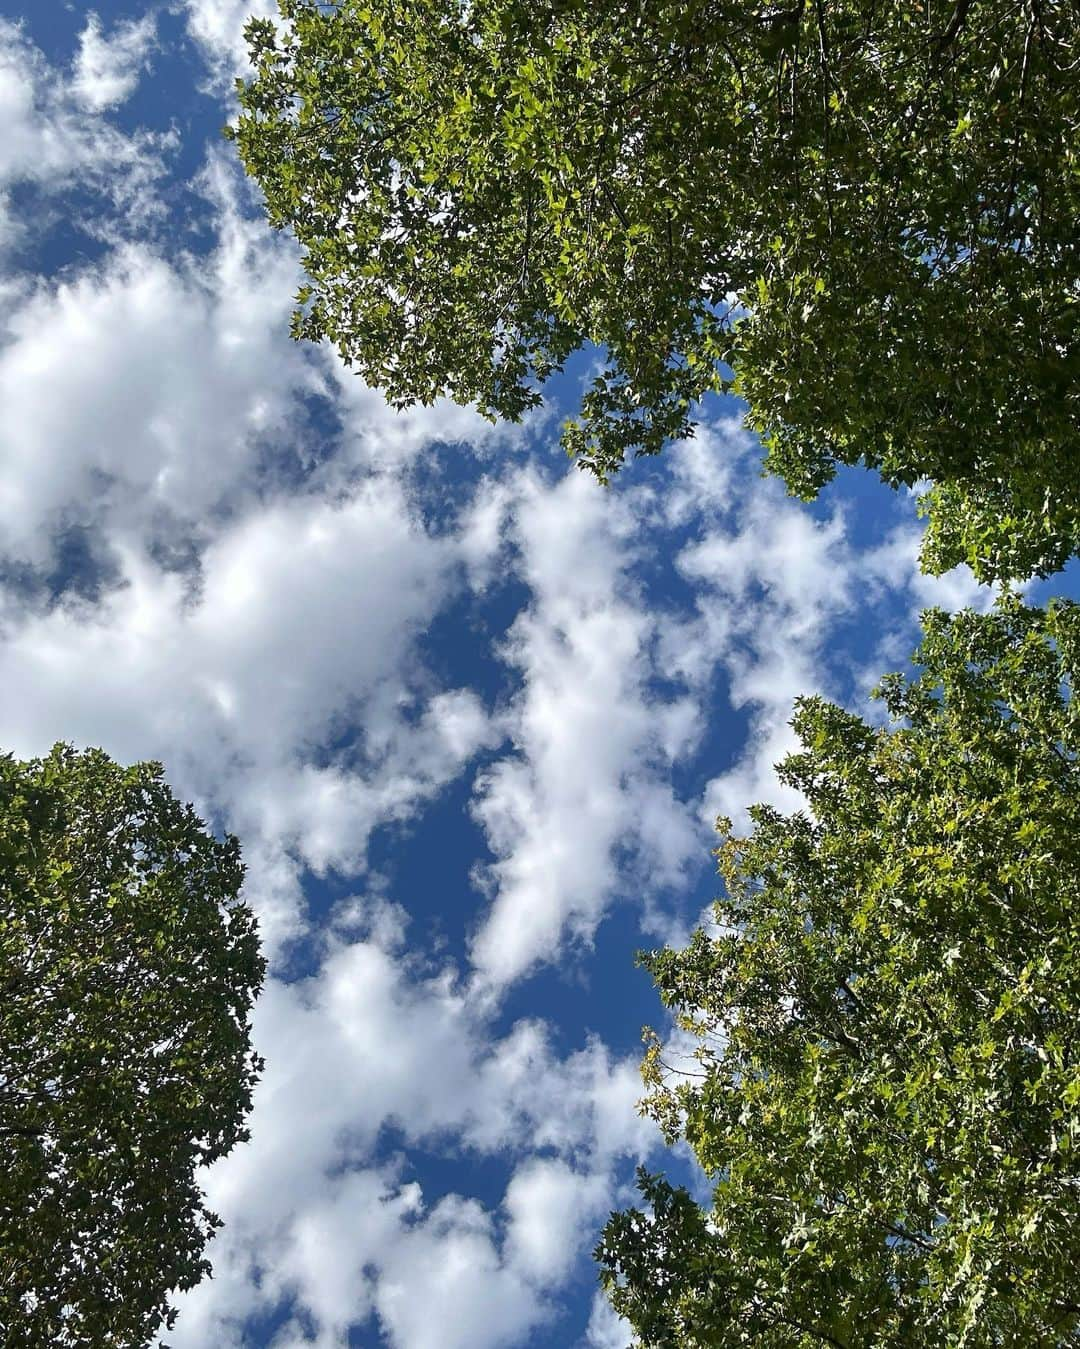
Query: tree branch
point(952, 29)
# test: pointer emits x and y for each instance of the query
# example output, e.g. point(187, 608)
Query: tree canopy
point(887, 1088)
point(862, 218)
point(127, 972)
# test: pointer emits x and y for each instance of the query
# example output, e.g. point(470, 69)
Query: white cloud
point(107, 69)
point(772, 589)
point(553, 1209)
point(311, 1219)
point(151, 396)
point(705, 471)
point(218, 27)
point(197, 399)
point(768, 588)
point(605, 1329)
point(303, 622)
point(54, 139)
point(445, 1286)
point(895, 563)
point(144, 391)
point(591, 744)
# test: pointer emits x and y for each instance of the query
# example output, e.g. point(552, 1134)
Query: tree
point(886, 1016)
point(127, 970)
point(862, 218)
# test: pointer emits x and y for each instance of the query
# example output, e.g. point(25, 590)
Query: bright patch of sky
point(471, 715)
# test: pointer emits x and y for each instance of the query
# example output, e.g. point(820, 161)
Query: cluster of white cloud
point(155, 395)
point(379, 1040)
point(56, 138)
point(593, 746)
point(107, 69)
point(302, 621)
point(218, 27)
point(265, 575)
point(773, 585)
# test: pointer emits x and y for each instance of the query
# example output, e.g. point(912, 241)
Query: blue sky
point(471, 715)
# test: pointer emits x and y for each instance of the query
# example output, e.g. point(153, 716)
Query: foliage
point(128, 970)
point(867, 212)
point(887, 1093)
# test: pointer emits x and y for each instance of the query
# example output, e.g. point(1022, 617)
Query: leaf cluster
point(862, 218)
point(127, 974)
point(887, 1092)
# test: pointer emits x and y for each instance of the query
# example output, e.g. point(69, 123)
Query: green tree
point(127, 974)
point(886, 1022)
point(863, 215)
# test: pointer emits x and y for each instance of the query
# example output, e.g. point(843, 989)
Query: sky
point(472, 716)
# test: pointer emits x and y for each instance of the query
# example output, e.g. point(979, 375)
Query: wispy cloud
point(108, 66)
point(57, 137)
